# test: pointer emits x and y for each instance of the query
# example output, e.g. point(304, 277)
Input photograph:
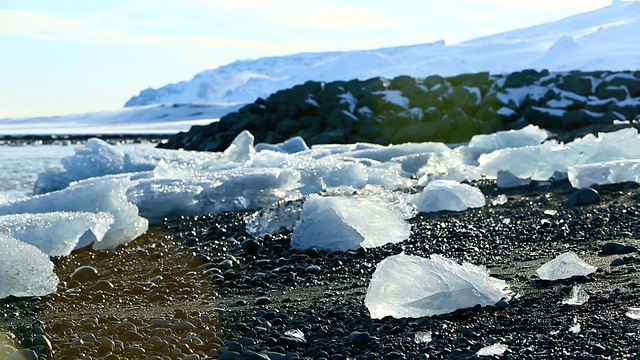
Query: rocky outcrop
point(407, 109)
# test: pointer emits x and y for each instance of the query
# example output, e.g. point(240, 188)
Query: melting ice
point(108, 195)
point(411, 286)
point(565, 266)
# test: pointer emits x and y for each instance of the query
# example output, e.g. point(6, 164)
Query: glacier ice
point(339, 223)
point(602, 173)
point(95, 195)
point(56, 233)
point(411, 286)
point(564, 266)
point(447, 195)
point(24, 269)
point(577, 297)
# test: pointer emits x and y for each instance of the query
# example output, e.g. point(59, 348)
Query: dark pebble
point(228, 355)
point(290, 342)
point(250, 247)
point(131, 335)
point(617, 262)
point(357, 338)
point(84, 274)
point(612, 248)
point(313, 270)
point(103, 285)
point(583, 197)
point(263, 300)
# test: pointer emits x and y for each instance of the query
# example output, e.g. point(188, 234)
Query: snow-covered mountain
point(604, 39)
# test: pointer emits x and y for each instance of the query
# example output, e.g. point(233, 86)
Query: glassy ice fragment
point(577, 297)
point(565, 266)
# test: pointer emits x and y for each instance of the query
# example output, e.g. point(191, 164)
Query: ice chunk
point(565, 266)
point(95, 158)
point(280, 217)
point(496, 349)
point(423, 337)
point(339, 223)
point(529, 135)
point(95, 196)
point(55, 233)
point(577, 297)
point(24, 269)
point(293, 145)
point(602, 173)
point(411, 286)
point(542, 162)
point(447, 195)
point(575, 328)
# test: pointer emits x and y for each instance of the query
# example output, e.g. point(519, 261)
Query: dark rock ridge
point(406, 109)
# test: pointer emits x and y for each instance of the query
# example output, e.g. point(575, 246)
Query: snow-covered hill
point(605, 39)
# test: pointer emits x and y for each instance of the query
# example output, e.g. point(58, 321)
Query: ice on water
point(24, 269)
point(56, 233)
point(447, 195)
point(411, 286)
point(565, 266)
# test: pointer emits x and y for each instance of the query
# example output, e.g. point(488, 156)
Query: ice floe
point(24, 269)
point(411, 286)
point(565, 266)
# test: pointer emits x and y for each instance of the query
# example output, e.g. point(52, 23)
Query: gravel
point(202, 288)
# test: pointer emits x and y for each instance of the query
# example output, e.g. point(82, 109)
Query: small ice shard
point(500, 200)
point(575, 328)
point(279, 217)
point(633, 313)
point(295, 333)
point(423, 337)
point(56, 233)
point(339, 223)
point(24, 269)
point(412, 286)
point(577, 297)
point(496, 349)
point(447, 195)
point(551, 212)
point(565, 266)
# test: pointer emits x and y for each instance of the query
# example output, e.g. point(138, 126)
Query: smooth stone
point(358, 338)
point(612, 248)
point(84, 274)
point(313, 270)
point(581, 197)
point(617, 262)
point(103, 285)
point(262, 301)
point(24, 354)
point(250, 247)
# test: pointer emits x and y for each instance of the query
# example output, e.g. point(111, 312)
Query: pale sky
point(74, 56)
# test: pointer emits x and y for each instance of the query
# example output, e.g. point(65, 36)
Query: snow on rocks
point(411, 286)
point(447, 195)
point(24, 269)
point(565, 266)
